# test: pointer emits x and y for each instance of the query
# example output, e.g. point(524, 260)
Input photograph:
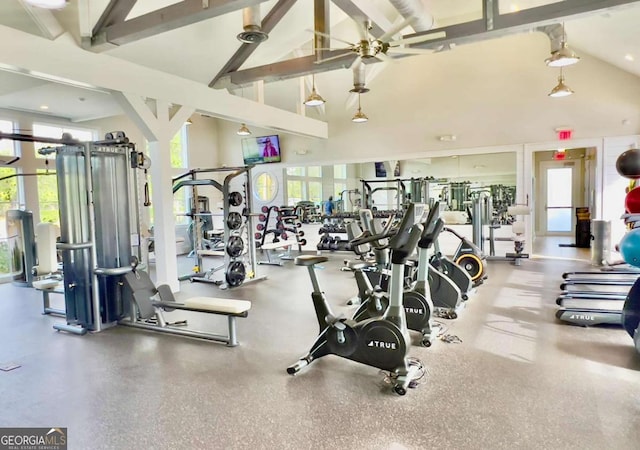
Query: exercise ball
point(630, 247)
point(628, 164)
point(632, 201)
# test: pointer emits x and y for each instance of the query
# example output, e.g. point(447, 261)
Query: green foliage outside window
point(48, 197)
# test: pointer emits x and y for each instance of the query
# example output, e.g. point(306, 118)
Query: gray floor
point(518, 380)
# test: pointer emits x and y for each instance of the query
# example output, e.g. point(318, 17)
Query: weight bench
point(49, 286)
point(148, 304)
point(271, 246)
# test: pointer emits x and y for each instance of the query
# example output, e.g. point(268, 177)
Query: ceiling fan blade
point(410, 51)
point(395, 28)
point(421, 38)
point(331, 37)
point(384, 57)
point(334, 57)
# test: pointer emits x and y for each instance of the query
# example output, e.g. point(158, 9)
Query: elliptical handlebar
point(367, 235)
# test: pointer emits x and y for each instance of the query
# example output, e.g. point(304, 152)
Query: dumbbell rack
point(239, 255)
point(289, 222)
point(330, 242)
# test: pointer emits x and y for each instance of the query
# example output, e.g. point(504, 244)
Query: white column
point(158, 127)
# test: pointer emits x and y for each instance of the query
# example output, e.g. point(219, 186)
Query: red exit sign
point(564, 135)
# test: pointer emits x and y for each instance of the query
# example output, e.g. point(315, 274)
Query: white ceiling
point(199, 51)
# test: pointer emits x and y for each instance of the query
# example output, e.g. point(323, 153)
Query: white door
point(559, 192)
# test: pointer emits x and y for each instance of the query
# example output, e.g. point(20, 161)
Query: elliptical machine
point(381, 342)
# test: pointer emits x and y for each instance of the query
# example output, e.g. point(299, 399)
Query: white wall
point(488, 94)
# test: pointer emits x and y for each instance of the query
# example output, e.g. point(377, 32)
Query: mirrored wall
point(453, 180)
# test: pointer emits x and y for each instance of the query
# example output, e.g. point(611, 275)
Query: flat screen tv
point(261, 149)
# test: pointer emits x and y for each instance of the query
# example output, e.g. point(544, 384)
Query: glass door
point(558, 179)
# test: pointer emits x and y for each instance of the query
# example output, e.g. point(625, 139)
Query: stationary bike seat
point(309, 260)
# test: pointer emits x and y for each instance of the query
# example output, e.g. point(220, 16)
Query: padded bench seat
point(210, 252)
point(276, 245)
point(148, 304)
point(211, 305)
point(48, 286)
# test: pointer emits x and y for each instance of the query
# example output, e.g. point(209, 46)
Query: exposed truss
point(490, 26)
point(113, 29)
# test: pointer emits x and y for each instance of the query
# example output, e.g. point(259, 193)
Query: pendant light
point(359, 116)
point(561, 90)
point(564, 56)
point(243, 130)
point(314, 98)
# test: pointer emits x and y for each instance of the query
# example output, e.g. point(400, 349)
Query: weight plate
point(235, 274)
point(234, 220)
point(235, 198)
point(235, 246)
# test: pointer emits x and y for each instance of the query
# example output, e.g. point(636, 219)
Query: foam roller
point(46, 234)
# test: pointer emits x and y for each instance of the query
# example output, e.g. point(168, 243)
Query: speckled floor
point(519, 379)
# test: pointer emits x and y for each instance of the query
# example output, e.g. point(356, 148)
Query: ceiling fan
point(371, 47)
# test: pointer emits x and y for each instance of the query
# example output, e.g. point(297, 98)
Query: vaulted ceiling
point(199, 43)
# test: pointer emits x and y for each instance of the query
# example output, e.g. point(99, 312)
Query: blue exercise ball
point(628, 164)
point(630, 247)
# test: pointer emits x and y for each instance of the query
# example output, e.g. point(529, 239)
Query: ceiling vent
point(252, 33)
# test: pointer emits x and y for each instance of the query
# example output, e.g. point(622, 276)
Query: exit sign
point(564, 135)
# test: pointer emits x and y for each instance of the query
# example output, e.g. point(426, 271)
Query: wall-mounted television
point(261, 149)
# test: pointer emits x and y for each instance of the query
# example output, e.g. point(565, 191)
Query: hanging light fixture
point(359, 116)
point(564, 56)
point(243, 130)
point(48, 4)
point(314, 98)
point(561, 90)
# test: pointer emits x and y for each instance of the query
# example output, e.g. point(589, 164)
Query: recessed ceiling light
point(514, 8)
point(44, 107)
point(629, 57)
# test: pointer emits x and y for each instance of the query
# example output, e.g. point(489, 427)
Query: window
point(338, 188)
point(48, 196)
point(179, 149)
point(6, 146)
point(294, 192)
point(265, 187)
point(295, 171)
point(314, 193)
point(304, 183)
point(340, 171)
point(314, 171)
point(8, 195)
point(55, 132)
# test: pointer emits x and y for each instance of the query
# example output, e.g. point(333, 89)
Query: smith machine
point(239, 252)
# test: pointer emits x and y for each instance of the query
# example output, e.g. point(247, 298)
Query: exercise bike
point(429, 289)
point(381, 342)
point(417, 305)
